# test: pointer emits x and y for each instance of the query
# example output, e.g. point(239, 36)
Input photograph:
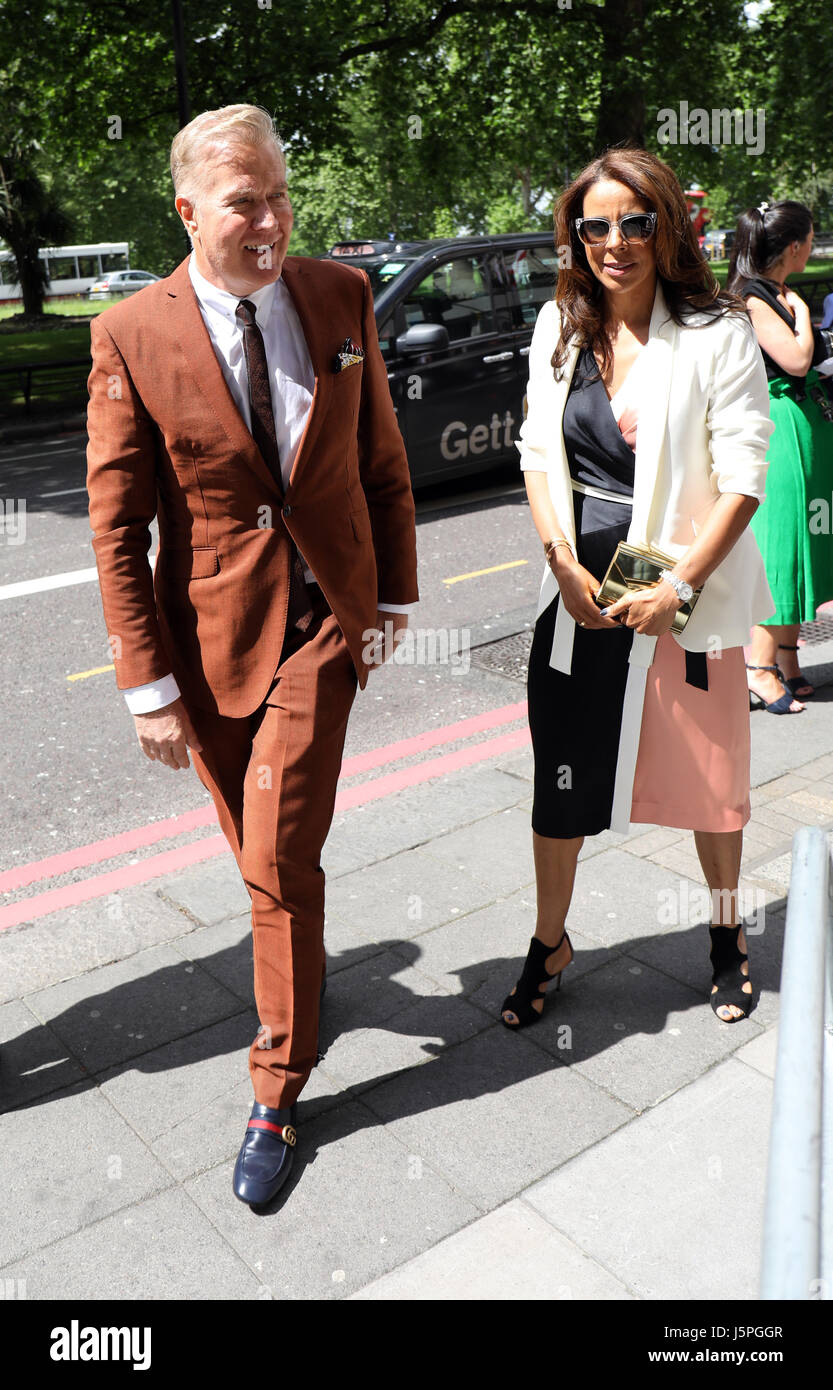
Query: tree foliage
point(411, 118)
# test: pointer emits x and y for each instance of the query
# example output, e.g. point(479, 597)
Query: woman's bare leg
point(719, 854)
point(555, 875)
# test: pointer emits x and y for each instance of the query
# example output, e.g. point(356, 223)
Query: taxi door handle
point(499, 357)
point(524, 352)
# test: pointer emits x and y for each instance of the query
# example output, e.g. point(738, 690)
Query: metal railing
point(797, 1257)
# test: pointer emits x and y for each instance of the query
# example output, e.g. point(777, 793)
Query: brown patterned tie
point(299, 612)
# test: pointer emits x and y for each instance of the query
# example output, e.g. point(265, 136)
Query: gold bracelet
point(550, 546)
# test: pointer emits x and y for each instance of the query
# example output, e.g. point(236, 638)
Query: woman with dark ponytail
point(772, 242)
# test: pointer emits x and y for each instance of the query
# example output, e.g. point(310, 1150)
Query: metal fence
point(797, 1259)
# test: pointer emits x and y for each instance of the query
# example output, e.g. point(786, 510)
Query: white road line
point(65, 491)
point(52, 581)
point(50, 453)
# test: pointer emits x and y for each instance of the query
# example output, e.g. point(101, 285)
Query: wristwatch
point(683, 590)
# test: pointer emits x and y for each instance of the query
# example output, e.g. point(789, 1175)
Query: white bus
point(71, 269)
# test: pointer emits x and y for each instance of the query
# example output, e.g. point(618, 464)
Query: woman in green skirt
point(771, 243)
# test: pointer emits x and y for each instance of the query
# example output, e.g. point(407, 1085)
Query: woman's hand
point(799, 306)
point(651, 611)
point(577, 587)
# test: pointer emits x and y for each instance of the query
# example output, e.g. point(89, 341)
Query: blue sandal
point(779, 706)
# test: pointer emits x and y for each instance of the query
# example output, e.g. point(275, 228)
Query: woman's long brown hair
point(687, 281)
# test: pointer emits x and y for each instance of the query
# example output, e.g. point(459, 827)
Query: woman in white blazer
point(647, 421)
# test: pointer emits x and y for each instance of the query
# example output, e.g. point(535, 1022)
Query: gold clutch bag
point(636, 567)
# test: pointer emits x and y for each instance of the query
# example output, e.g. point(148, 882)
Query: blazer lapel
point(201, 358)
point(650, 431)
point(314, 322)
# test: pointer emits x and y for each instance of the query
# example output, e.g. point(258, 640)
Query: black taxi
point(455, 320)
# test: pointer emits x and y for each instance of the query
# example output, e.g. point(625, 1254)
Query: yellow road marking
point(96, 671)
point(510, 565)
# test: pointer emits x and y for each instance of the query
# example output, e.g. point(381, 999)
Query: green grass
point(821, 269)
point(80, 307)
point(39, 345)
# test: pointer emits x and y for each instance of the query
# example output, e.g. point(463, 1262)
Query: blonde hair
point(240, 125)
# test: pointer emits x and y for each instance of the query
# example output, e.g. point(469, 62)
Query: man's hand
point(388, 627)
point(164, 734)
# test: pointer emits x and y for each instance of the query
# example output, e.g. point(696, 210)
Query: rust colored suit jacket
point(166, 439)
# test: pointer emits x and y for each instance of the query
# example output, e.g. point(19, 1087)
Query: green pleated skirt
point(797, 550)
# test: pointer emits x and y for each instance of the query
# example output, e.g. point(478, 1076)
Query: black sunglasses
point(637, 226)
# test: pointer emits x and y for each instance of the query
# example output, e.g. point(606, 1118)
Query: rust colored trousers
point(272, 777)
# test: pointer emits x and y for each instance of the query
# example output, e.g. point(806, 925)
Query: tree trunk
point(621, 107)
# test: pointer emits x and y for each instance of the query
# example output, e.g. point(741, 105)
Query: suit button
point(287, 510)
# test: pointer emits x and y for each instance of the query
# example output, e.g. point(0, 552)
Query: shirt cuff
point(396, 607)
point(143, 699)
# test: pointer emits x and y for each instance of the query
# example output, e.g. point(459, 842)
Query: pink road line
point(58, 898)
point(406, 747)
point(106, 849)
point(145, 835)
point(435, 767)
point(29, 909)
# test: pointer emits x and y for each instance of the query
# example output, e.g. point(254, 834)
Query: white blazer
point(704, 430)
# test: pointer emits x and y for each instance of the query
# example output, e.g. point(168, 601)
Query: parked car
point(120, 282)
point(718, 243)
point(455, 320)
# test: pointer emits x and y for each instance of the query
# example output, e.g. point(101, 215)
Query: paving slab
point(496, 849)
point(208, 891)
point(636, 1033)
point(368, 993)
point(619, 897)
point(760, 1053)
point(672, 1204)
point(494, 1114)
point(686, 958)
point(33, 1059)
point(224, 950)
point(89, 1164)
point(357, 1204)
point(413, 1036)
point(404, 896)
point(68, 943)
point(213, 1131)
point(512, 1254)
point(481, 956)
point(162, 1248)
point(365, 834)
point(132, 1006)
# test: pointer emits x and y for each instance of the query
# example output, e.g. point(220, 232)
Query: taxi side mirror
point(423, 337)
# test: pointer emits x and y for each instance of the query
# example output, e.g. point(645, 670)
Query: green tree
point(30, 219)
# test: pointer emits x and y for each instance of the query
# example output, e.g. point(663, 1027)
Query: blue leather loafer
point(265, 1158)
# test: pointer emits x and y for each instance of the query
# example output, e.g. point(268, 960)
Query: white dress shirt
point(291, 382)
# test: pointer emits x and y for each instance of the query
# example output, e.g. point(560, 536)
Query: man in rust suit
point(244, 402)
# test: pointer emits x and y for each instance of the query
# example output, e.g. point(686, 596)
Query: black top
point(767, 290)
point(599, 456)
point(596, 448)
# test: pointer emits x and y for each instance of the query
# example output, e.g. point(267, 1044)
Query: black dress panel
point(575, 720)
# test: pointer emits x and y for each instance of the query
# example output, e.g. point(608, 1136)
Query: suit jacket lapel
point(314, 323)
point(650, 430)
point(201, 358)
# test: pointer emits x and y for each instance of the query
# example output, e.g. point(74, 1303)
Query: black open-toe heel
point(795, 683)
point(779, 706)
point(533, 982)
point(726, 961)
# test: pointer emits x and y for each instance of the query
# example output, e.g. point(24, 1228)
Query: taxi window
point(534, 271)
point(456, 295)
